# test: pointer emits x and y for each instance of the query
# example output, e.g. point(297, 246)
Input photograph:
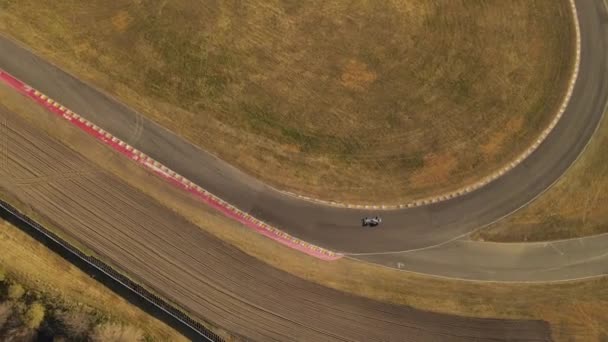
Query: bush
point(18, 333)
point(15, 291)
point(34, 316)
point(75, 324)
point(6, 311)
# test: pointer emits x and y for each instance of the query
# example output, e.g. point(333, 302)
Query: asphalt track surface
point(555, 261)
point(214, 281)
point(337, 228)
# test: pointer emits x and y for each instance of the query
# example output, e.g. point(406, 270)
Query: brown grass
point(577, 310)
point(574, 207)
point(121, 21)
point(43, 271)
point(437, 169)
point(116, 333)
point(499, 140)
point(340, 100)
point(76, 324)
point(357, 76)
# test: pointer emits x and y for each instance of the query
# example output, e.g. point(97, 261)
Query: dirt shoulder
point(325, 99)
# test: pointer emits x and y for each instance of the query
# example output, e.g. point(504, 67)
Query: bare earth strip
point(212, 280)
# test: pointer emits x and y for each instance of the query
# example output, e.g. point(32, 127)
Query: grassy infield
point(572, 308)
point(350, 100)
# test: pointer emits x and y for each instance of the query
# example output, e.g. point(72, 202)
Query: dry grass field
point(349, 100)
point(69, 295)
point(574, 207)
point(576, 310)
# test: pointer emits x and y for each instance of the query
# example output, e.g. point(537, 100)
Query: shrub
point(6, 311)
point(15, 291)
point(34, 316)
point(75, 324)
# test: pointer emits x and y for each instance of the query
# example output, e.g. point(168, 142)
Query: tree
point(34, 315)
point(6, 311)
point(15, 291)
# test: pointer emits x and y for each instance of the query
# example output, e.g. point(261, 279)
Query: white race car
point(371, 221)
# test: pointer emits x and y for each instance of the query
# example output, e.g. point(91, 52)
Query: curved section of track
point(338, 228)
point(211, 280)
point(489, 178)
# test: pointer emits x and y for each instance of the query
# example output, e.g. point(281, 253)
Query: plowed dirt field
point(212, 280)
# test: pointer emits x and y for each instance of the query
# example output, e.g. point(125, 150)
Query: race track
point(212, 280)
point(337, 228)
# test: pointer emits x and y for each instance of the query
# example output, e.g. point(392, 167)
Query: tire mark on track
point(137, 131)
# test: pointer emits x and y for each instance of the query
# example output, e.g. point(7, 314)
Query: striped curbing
point(166, 173)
